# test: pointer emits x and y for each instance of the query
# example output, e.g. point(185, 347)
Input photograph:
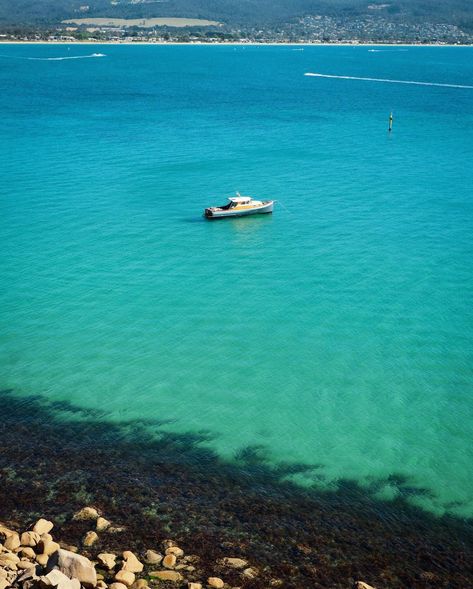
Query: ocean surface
point(336, 333)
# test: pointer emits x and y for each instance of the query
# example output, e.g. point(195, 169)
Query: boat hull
point(265, 208)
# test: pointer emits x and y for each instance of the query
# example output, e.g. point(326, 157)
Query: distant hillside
point(234, 12)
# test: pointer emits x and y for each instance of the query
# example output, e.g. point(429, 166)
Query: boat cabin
point(236, 201)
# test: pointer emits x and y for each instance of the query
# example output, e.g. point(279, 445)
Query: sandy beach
point(231, 43)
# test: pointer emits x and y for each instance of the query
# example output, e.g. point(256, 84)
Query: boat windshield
point(240, 201)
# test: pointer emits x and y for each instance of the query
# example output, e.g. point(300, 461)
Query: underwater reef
point(151, 485)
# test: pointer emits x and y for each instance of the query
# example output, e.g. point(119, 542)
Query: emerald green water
point(336, 332)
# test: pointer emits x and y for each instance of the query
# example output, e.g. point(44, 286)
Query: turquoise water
point(336, 332)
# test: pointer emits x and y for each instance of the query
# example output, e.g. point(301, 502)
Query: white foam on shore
point(389, 81)
point(54, 58)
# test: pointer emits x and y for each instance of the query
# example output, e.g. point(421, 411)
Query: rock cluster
point(33, 560)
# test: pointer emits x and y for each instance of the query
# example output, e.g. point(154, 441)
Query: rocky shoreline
point(32, 559)
point(147, 485)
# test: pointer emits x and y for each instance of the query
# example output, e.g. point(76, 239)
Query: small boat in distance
point(239, 206)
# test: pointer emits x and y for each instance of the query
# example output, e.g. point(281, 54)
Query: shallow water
point(335, 333)
point(169, 485)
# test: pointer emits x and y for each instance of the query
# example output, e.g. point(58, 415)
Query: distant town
point(309, 29)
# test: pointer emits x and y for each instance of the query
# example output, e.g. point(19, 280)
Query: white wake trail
point(55, 58)
point(68, 57)
point(386, 80)
point(386, 50)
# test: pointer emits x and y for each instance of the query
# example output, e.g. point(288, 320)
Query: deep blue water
point(336, 332)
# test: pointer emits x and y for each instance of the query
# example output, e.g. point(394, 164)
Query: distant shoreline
point(236, 43)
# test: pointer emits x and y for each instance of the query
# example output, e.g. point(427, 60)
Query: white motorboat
point(239, 206)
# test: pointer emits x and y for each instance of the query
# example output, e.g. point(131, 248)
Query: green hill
point(234, 12)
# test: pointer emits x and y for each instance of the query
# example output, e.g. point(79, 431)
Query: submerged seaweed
point(55, 458)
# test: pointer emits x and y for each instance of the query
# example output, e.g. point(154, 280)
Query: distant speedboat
point(240, 206)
